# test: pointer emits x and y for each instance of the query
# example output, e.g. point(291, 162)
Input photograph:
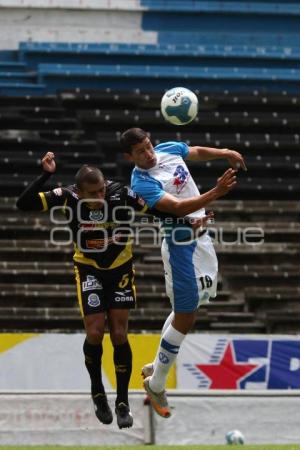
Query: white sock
point(164, 328)
point(166, 355)
point(167, 322)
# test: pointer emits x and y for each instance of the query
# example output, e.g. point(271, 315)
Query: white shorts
point(191, 271)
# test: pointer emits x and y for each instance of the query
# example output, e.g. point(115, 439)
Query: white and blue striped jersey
point(170, 174)
point(190, 269)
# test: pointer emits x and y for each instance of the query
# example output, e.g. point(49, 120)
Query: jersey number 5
point(124, 281)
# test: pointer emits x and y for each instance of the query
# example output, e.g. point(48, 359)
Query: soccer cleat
point(102, 409)
point(124, 416)
point(147, 370)
point(158, 400)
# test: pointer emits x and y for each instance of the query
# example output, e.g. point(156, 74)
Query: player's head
point(137, 147)
point(91, 186)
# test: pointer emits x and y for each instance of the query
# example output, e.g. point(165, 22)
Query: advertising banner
point(55, 361)
point(239, 362)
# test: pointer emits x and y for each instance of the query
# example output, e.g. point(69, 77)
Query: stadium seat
point(83, 126)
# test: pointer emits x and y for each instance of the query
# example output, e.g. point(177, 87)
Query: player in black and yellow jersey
point(98, 213)
point(95, 208)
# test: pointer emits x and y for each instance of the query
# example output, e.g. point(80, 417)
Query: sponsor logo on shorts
point(91, 284)
point(163, 358)
point(93, 300)
point(123, 297)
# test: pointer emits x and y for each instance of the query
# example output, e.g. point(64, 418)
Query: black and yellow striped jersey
point(101, 236)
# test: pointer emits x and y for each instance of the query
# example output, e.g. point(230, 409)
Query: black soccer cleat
point(102, 409)
point(124, 416)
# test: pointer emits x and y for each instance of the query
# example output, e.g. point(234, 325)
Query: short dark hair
point(88, 174)
point(131, 137)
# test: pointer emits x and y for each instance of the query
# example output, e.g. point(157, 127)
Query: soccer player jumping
point(97, 210)
point(103, 270)
point(162, 178)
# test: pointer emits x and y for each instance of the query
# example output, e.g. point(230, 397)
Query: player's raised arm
point(32, 199)
point(181, 207)
point(234, 158)
point(138, 204)
point(48, 162)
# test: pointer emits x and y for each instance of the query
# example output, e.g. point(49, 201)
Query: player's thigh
point(205, 263)
point(120, 288)
point(190, 273)
point(91, 294)
point(181, 286)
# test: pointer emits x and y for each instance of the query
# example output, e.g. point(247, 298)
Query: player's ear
point(127, 156)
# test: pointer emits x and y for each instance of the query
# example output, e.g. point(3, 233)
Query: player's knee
point(190, 322)
point(94, 336)
point(118, 336)
point(184, 322)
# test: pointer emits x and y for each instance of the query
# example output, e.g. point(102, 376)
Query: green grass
point(159, 447)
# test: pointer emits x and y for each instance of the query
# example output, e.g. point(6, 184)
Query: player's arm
point(182, 207)
point(234, 158)
point(32, 199)
point(133, 200)
point(138, 204)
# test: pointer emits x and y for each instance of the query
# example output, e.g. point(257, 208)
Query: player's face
point(94, 193)
point(143, 154)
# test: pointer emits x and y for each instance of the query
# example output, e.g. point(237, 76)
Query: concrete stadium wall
point(73, 21)
point(68, 419)
point(74, 4)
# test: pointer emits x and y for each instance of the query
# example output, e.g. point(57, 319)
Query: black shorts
point(101, 290)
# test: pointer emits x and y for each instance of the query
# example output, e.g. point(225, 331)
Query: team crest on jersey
point(180, 178)
point(96, 215)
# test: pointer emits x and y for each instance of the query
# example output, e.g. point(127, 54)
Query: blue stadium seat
point(11, 88)
point(17, 77)
point(69, 70)
point(246, 7)
point(9, 66)
point(162, 54)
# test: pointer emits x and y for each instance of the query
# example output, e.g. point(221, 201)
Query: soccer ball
point(179, 106)
point(234, 437)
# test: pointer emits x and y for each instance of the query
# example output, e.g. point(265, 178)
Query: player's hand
point(226, 182)
point(235, 159)
point(48, 162)
point(202, 221)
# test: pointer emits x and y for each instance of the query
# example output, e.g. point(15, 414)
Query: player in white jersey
point(163, 179)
